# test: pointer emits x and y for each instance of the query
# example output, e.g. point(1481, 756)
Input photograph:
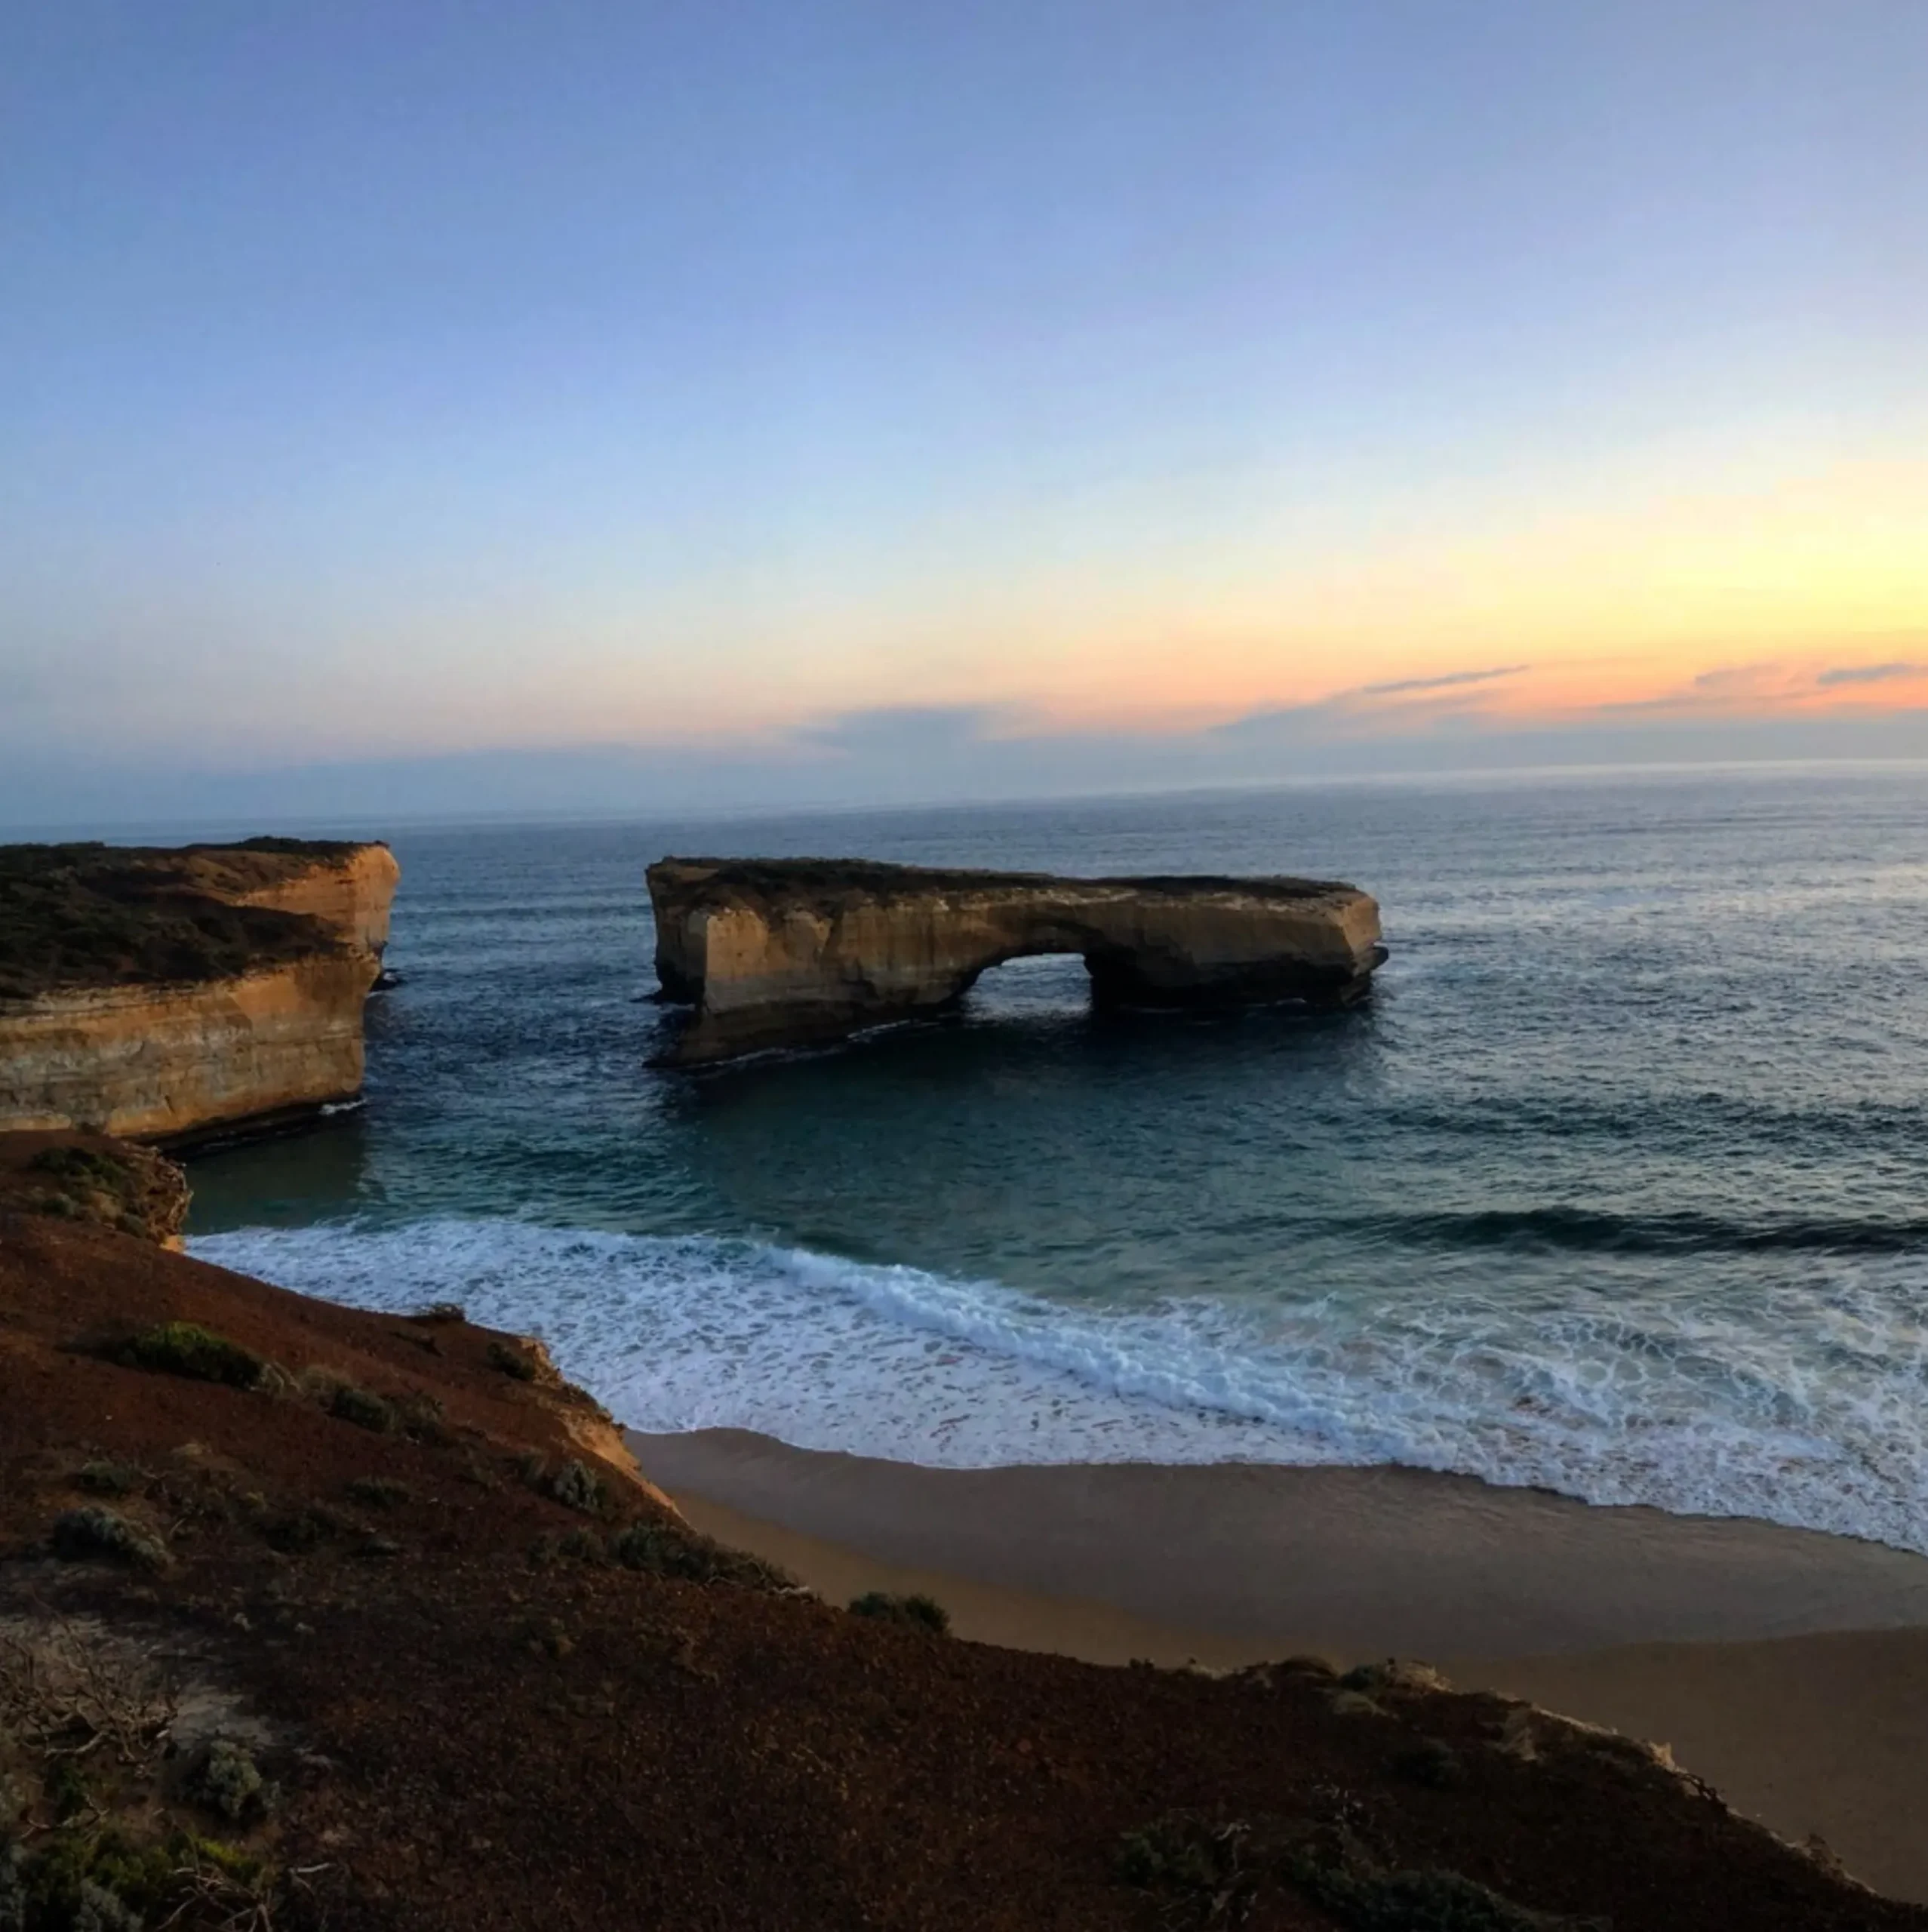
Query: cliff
point(775, 952)
point(167, 994)
point(311, 1617)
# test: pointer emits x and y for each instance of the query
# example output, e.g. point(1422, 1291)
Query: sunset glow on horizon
point(809, 388)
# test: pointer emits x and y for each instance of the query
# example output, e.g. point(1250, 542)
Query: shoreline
point(1787, 1667)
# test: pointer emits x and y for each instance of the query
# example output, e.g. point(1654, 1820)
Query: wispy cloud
point(1420, 703)
point(1445, 680)
point(1869, 674)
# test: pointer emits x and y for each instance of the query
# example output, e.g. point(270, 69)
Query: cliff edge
point(780, 952)
point(167, 994)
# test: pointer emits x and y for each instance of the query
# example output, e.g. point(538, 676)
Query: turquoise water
point(1617, 1186)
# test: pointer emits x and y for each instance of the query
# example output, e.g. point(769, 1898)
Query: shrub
point(925, 1613)
point(360, 1406)
point(662, 1550)
point(511, 1361)
point(67, 1794)
point(379, 1492)
point(80, 1163)
point(1202, 1866)
point(185, 1347)
point(1394, 1674)
point(88, 1880)
point(578, 1486)
point(79, 1535)
point(103, 1479)
point(228, 1780)
point(1372, 1900)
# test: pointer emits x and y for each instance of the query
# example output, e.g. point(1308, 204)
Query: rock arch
point(776, 952)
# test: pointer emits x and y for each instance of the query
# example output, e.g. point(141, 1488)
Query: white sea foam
point(1815, 1416)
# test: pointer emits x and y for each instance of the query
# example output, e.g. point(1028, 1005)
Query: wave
point(1590, 1230)
point(1810, 1409)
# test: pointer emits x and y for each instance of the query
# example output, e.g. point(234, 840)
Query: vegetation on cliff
point(264, 1664)
point(76, 916)
point(838, 884)
point(91, 1178)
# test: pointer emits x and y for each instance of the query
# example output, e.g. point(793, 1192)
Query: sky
point(599, 404)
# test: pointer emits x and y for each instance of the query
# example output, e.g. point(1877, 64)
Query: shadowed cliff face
point(166, 995)
point(775, 953)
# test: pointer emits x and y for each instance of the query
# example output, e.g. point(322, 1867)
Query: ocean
point(1616, 1186)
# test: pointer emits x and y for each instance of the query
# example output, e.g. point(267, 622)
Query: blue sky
point(764, 395)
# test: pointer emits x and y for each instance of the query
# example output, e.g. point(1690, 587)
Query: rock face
point(170, 995)
point(775, 952)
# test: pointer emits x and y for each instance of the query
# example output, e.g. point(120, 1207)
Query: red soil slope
point(397, 1557)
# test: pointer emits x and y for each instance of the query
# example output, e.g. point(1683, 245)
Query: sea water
point(1616, 1186)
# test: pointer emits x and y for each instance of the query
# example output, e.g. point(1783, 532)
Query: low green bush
point(227, 1780)
point(578, 1486)
point(186, 1349)
point(362, 1408)
point(662, 1550)
point(925, 1613)
point(516, 1363)
point(96, 1534)
point(104, 1479)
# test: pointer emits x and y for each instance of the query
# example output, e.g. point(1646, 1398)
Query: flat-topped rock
point(775, 952)
point(167, 993)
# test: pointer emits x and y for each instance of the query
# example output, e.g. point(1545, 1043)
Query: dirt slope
point(404, 1580)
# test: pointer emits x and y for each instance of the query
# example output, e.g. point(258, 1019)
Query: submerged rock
point(780, 952)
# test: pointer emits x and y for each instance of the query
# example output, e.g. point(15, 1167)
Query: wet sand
point(1784, 1666)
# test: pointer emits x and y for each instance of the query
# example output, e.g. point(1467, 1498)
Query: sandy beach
point(1789, 1668)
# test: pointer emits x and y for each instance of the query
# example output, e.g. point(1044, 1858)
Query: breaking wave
point(1812, 1411)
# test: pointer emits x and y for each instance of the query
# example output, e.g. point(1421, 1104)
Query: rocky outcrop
point(101, 1183)
point(169, 995)
point(774, 952)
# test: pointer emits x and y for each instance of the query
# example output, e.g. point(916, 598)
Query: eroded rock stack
point(776, 952)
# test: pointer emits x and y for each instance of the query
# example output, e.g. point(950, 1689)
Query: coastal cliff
point(776, 953)
point(317, 1616)
point(167, 994)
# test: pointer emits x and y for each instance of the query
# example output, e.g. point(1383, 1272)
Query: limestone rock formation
point(776, 952)
point(169, 995)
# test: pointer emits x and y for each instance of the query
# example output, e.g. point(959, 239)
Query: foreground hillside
point(309, 1616)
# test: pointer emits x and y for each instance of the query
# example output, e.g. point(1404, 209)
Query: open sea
point(1619, 1186)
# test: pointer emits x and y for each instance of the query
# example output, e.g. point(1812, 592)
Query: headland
point(172, 994)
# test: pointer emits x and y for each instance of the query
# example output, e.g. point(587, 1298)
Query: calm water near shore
point(1617, 1185)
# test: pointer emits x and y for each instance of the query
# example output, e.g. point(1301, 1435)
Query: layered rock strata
point(778, 953)
point(171, 995)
